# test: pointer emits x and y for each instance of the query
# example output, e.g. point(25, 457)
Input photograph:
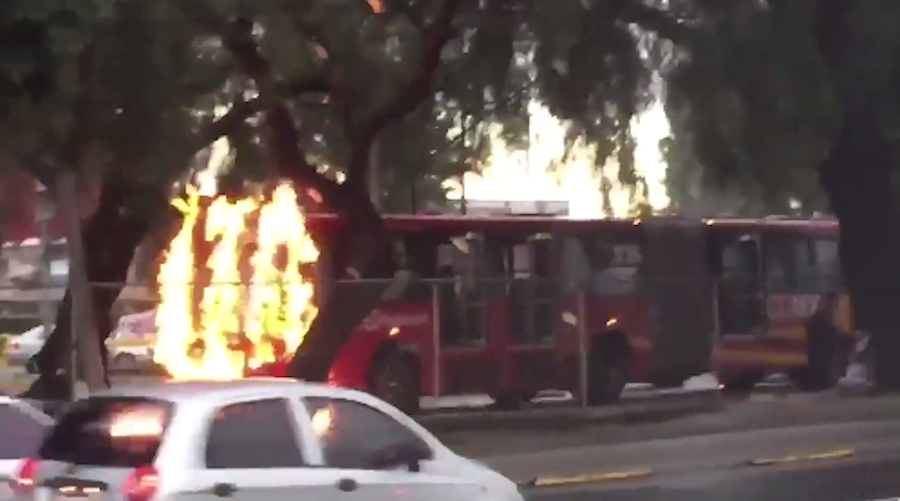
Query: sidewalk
point(792, 410)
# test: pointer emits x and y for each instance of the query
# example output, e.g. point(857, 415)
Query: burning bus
point(505, 306)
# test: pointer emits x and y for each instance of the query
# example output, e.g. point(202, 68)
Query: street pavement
point(850, 481)
point(839, 462)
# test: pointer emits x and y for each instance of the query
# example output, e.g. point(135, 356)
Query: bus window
point(788, 263)
point(827, 263)
point(614, 266)
point(466, 264)
point(740, 294)
point(545, 289)
point(740, 258)
point(532, 306)
point(576, 267)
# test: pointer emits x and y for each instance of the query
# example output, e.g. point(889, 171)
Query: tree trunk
point(88, 354)
point(359, 250)
point(857, 178)
point(360, 274)
point(110, 241)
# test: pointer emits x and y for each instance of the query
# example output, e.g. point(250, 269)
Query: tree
point(508, 54)
point(74, 97)
point(330, 79)
point(785, 90)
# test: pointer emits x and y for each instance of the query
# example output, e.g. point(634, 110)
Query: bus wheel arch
point(394, 375)
point(609, 366)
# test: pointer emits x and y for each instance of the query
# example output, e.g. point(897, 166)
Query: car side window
point(351, 432)
point(258, 434)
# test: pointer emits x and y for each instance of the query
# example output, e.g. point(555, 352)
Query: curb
point(589, 478)
point(633, 410)
point(803, 458)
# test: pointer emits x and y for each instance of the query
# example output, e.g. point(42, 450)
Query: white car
point(247, 440)
point(20, 349)
point(131, 343)
point(22, 429)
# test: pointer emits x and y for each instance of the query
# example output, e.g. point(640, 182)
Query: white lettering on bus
point(791, 306)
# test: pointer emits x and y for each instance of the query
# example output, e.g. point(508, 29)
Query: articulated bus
point(509, 306)
point(770, 275)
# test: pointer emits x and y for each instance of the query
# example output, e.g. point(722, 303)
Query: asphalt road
point(839, 462)
point(851, 481)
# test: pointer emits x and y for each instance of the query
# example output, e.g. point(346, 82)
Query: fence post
point(582, 349)
point(716, 331)
point(436, 339)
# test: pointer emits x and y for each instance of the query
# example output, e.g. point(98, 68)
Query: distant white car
point(22, 429)
point(272, 439)
point(131, 343)
point(20, 349)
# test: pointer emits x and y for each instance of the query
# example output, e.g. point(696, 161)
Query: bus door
point(737, 263)
point(467, 287)
point(675, 280)
point(532, 310)
point(792, 287)
point(828, 270)
point(532, 292)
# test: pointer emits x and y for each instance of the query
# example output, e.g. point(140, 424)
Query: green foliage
point(128, 87)
point(123, 91)
point(757, 97)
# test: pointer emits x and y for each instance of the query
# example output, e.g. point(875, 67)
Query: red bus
point(770, 276)
point(502, 305)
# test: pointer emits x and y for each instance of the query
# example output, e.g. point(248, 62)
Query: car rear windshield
point(106, 431)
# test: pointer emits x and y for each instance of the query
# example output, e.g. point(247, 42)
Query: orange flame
point(239, 324)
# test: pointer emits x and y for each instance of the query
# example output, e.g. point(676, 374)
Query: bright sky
point(508, 175)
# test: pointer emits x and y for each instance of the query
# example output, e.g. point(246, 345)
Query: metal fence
point(472, 333)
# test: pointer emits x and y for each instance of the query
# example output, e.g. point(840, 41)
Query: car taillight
point(141, 485)
point(23, 482)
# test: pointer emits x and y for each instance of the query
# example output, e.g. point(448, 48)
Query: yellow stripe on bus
point(752, 357)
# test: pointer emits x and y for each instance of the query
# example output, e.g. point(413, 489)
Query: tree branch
point(407, 9)
point(223, 126)
point(289, 159)
point(416, 90)
point(655, 20)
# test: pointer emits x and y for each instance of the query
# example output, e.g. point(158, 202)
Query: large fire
point(241, 317)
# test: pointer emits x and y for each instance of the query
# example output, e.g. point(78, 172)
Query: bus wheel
point(394, 378)
point(609, 367)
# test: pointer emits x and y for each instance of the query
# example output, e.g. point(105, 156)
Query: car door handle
point(223, 490)
point(347, 485)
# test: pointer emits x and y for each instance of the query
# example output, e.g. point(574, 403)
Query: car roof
point(220, 391)
point(32, 331)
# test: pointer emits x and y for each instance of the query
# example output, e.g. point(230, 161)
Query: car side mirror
point(409, 454)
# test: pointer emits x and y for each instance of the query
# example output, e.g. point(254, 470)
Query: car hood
point(489, 477)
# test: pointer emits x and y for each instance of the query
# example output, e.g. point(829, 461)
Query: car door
point(350, 432)
point(252, 452)
point(21, 430)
